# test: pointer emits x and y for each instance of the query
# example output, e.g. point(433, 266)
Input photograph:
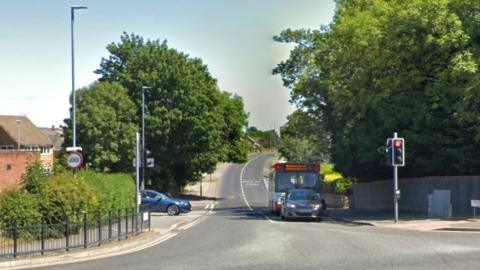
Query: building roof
point(55, 135)
point(253, 141)
point(28, 132)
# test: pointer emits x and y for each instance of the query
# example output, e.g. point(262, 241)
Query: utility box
point(439, 204)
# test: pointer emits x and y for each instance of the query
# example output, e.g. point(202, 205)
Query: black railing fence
point(26, 236)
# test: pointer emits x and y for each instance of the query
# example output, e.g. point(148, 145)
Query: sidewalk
point(407, 220)
point(163, 227)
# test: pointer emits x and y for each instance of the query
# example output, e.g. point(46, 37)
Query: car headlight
point(291, 205)
point(317, 206)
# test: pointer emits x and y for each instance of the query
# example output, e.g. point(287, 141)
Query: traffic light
point(388, 152)
point(398, 152)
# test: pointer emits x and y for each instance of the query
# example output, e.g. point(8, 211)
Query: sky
point(232, 37)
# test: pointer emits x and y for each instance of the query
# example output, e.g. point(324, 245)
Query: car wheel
point(173, 210)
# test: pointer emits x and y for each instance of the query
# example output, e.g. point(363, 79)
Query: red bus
point(292, 175)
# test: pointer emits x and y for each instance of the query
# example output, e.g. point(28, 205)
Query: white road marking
point(265, 181)
point(241, 180)
point(241, 183)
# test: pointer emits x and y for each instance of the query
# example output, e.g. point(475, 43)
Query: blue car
point(158, 202)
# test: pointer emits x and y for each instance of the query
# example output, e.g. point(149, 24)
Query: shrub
point(20, 207)
point(63, 195)
point(340, 186)
point(35, 176)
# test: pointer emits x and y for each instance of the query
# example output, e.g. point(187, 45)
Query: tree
point(105, 127)
point(385, 66)
point(235, 120)
point(266, 138)
point(188, 120)
point(303, 140)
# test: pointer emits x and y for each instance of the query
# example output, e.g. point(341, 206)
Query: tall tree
point(105, 126)
point(187, 127)
point(384, 66)
point(302, 139)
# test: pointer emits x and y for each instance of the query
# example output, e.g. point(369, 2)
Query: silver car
point(301, 204)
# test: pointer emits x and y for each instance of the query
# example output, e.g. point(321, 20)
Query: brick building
point(21, 142)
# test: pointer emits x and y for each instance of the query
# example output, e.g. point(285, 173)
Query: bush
point(63, 195)
point(35, 176)
point(344, 186)
point(340, 186)
point(114, 190)
point(20, 207)
point(328, 172)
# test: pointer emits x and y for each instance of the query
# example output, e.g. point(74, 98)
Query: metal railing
point(79, 230)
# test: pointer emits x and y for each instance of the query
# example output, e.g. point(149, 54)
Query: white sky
point(233, 37)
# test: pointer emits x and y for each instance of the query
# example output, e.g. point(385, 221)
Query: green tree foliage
point(303, 140)
point(385, 66)
point(190, 124)
point(105, 126)
point(235, 119)
point(266, 138)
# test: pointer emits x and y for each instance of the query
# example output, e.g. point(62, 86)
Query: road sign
point(475, 203)
point(74, 160)
point(150, 162)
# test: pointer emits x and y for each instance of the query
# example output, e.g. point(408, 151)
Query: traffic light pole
point(395, 184)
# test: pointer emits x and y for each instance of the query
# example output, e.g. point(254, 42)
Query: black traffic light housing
point(398, 152)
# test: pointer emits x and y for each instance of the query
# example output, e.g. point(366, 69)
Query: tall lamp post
point(72, 12)
point(144, 151)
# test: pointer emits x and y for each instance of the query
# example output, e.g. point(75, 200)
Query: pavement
point(163, 228)
point(407, 220)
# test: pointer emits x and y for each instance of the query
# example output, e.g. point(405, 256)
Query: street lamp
point(144, 151)
point(72, 12)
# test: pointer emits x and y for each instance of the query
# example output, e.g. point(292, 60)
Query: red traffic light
point(398, 143)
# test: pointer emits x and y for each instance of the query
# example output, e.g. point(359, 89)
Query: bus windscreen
point(285, 181)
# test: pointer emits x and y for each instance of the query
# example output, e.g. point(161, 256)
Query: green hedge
point(20, 207)
point(62, 194)
point(114, 190)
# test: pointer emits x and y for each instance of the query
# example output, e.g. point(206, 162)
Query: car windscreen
point(285, 181)
point(301, 195)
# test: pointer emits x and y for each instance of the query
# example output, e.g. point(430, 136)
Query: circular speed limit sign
point(74, 160)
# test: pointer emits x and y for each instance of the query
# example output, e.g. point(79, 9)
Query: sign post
point(475, 204)
point(137, 173)
point(395, 184)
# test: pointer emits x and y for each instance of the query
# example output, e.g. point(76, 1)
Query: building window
point(9, 167)
point(45, 150)
point(6, 147)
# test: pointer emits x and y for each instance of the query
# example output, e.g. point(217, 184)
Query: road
point(241, 235)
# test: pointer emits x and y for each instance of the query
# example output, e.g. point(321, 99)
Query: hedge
point(63, 194)
point(115, 190)
point(20, 207)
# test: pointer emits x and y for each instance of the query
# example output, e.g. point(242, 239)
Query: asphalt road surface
point(242, 235)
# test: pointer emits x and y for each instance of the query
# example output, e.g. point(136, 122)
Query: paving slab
point(407, 220)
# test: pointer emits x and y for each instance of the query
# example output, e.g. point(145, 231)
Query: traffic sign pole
point(137, 173)
point(395, 183)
